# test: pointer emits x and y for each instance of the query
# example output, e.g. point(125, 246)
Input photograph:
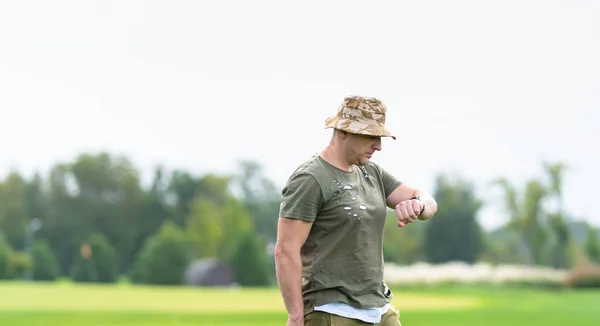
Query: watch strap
point(419, 199)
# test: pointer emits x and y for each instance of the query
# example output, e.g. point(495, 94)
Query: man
point(329, 250)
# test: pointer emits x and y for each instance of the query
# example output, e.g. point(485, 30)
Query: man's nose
point(377, 144)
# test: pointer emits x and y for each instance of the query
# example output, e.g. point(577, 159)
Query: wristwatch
point(419, 199)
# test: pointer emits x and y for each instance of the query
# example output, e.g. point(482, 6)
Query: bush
point(584, 277)
point(5, 253)
point(164, 258)
point(96, 262)
point(19, 263)
point(45, 263)
point(249, 261)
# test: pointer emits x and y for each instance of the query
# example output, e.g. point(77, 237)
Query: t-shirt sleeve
point(390, 182)
point(301, 198)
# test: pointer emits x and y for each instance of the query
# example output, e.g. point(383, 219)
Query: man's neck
point(335, 157)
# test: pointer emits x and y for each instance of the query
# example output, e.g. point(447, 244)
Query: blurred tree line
point(98, 222)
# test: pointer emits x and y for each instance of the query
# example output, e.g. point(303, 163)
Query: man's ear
point(340, 133)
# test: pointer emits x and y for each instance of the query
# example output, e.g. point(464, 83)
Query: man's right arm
point(291, 235)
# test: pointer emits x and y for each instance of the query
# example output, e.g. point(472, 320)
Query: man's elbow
point(284, 250)
point(278, 251)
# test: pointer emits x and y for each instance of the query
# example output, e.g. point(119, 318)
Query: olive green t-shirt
point(342, 258)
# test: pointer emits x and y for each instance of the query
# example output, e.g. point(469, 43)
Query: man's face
point(360, 148)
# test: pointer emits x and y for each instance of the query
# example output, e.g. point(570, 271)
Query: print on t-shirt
point(349, 190)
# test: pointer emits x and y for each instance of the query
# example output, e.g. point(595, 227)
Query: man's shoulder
point(312, 171)
point(310, 165)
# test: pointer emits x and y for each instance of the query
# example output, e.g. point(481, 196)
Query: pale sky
point(483, 88)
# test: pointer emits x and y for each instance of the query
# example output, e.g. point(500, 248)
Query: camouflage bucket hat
point(361, 115)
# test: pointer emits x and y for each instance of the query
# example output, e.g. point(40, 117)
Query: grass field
point(70, 304)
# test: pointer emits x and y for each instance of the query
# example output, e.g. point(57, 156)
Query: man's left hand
point(407, 211)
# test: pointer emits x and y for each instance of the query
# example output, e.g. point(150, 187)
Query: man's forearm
point(289, 277)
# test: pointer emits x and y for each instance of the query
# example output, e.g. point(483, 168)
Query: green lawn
point(69, 304)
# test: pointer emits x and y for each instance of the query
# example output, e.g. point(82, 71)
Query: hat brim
point(358, 127)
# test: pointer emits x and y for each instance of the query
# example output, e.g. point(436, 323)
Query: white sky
point(483, 88)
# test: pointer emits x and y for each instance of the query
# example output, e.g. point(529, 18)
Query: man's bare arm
point(405, 192)
point(291, 235)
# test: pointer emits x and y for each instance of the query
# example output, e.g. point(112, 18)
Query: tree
point(185, 189)
point(97, 193)
point(204, 229)
point(13, 219)
point(108, 197)
point(561, 247)
point(164, 257)
point(45, 264)
point(249, 261)
point(561, 244)
point(402, 245)
point(213, 230)
point(97, 261)
point(503, 248)
point(235, 222)
point(154, 210)
point(544, 233)
point(527, 217)
point(19, 263)
point(261, 198)
point(35, 198)
point(454, 233)
point(592, 245)
point(5, 253)
point(62, 227)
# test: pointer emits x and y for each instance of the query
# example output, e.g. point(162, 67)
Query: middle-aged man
point(329, 251)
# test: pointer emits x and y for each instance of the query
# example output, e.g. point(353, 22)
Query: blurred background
point(142, 134)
